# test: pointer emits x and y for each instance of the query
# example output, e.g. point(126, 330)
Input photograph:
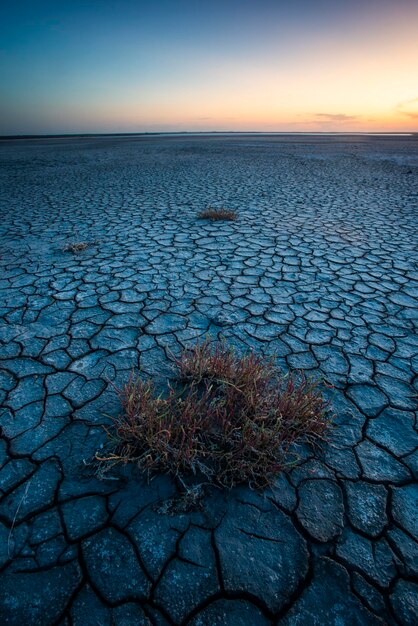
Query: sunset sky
point(173, 65)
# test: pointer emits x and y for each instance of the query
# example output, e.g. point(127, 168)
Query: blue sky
point(217, 65)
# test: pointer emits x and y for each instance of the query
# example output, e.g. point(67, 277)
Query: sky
point(204, 65)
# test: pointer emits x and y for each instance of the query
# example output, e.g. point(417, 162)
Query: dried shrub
point(78, 246)
point(214, 214)
point(230, 418)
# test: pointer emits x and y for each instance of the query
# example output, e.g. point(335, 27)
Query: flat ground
point(320, 268)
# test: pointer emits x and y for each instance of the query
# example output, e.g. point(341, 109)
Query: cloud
point(408, 108)
point(336, 117)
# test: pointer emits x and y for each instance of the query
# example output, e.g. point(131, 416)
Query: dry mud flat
point(320, 268)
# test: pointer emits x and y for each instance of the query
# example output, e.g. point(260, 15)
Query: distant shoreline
point(209, 133)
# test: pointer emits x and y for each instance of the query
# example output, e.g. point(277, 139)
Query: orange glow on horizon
point(348, 91)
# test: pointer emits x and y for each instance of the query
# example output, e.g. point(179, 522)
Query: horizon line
point(203, 132)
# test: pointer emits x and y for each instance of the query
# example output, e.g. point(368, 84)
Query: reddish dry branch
point(232, 420)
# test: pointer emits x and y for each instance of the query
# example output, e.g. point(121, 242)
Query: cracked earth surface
point(320, 268)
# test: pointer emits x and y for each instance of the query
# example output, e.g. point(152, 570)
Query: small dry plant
point(229, 419)
point(188, 500)
point(78, 246)
point(214, 214)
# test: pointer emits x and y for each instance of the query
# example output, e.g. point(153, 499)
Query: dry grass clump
point(78, 246)
point(230, 419)
point(211, 213)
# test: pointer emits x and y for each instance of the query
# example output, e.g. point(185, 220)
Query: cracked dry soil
point(320, 268)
